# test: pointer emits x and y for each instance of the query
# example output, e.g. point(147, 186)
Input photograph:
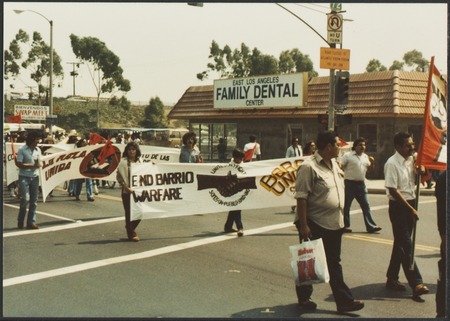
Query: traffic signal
point(341, 88)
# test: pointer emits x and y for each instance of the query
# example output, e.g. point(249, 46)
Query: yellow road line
point(389, 242)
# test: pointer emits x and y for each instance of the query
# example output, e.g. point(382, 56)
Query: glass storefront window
point(208, 135)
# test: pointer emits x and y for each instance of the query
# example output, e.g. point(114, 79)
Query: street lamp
point(50, 130)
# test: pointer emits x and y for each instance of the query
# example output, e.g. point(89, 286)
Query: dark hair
point(187, 136)
point(31, 137)
point(307, 149)
point(295, 139)
point(252, 138)
point(326, 137)
point(237, 153)
point(135, 146)
point(400, 138)
point(357, 141)
point(80, 142)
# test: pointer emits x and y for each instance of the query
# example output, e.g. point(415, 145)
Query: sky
point(162, 46)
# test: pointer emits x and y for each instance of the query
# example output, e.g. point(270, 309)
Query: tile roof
point(381, 94)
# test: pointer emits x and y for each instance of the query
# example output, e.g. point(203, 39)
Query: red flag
point(15, 119)
point(343, 142)
point(106, 151)
point(96, 139)
point(432, 152)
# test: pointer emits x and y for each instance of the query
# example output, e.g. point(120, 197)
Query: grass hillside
point(82, 116)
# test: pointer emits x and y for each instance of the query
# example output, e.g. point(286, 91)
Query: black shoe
point(307, 304)
point(229, 230)
point(20, 225)
point(91, 199)
point(347, 230)
point(375, 229)
point(352, 306)
point(395, 285)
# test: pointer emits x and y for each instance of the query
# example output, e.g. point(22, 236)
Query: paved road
point(80, 265)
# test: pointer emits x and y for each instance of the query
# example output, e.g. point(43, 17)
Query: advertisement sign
point(263, 91)
point(29, 112)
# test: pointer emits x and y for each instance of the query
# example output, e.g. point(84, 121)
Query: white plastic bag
point(309, 263)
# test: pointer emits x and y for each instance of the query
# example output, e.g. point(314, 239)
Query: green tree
point(103, 66)
point(122, 102)
point(295, 61)
point(375, 65)
point(415, 60)
point(396, 65)
point(244, 62)
point(37, 60)
point(154, 116)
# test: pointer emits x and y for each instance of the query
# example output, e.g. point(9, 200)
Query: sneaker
point(307, 304)
point(395, 285)
point(240, 232)
point(95, 190)
point(352, 306)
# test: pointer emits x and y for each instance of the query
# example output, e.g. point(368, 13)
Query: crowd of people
point(326, 184)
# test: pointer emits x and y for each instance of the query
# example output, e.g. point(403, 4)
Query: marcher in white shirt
point(295, 150)
point(356, 164)
point(399, 174)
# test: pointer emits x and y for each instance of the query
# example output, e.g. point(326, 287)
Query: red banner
point(432, 152)
point(15, 119)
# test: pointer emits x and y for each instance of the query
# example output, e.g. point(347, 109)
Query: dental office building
point(279, 107)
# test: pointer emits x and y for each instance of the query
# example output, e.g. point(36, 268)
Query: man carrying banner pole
point(400, 177)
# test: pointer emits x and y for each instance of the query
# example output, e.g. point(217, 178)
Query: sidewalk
point(377, 187)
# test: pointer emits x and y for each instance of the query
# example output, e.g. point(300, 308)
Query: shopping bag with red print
point(309, 263)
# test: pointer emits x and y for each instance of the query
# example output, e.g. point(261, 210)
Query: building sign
point(287, 90)
point(332, 58)
point(28, 112)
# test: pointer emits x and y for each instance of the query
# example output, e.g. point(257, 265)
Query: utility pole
point(74, 73)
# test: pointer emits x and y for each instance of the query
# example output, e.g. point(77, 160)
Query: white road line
point(43, 213)
point(64, 227)
point(137, 256)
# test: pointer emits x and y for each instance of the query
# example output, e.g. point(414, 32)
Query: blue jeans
point(358, 190)
point(29, 192)
point(79, 184)
point(332, 244)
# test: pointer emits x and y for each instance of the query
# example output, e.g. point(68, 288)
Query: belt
point(353, 181)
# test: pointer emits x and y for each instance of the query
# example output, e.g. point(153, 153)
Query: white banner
point(82, 163)
point(287, 90)
point(164, 190)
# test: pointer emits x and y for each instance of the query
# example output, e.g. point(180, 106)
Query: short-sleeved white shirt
point(399, 174)
point(355, 166)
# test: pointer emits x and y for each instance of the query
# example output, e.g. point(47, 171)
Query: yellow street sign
point(332, 58)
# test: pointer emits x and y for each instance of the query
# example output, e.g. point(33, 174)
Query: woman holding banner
point(130, 155)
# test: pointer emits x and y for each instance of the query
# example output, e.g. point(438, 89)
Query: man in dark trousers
point(320, 214)
point(400, 175)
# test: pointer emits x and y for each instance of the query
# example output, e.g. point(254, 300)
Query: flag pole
point(419, 163)
point(413, 237)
